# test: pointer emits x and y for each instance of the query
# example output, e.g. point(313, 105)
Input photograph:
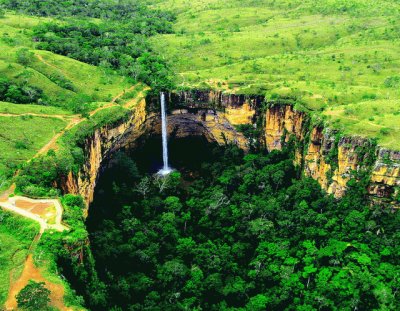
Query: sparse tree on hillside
point(24, 56)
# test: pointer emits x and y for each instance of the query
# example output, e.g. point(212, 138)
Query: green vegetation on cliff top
point(325, 54)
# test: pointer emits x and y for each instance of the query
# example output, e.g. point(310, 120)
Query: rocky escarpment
point(330, 158)
point(213, 125)
point(322, 153)
point(385, 175)
point(100, 146)
point(216, 126)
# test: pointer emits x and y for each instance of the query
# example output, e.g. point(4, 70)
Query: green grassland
point(323, 54)
point(16, 236)
point(10, 108)
point(22, 136)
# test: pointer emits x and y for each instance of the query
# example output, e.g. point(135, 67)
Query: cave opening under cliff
point(189, 156)
point(186, 154)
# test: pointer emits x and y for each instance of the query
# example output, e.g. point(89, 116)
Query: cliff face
point(330, 159)
point(280, 123)
point(385, 180)
point(213, 125)
point(323, 154)
point(217, 99)
point(100, 146)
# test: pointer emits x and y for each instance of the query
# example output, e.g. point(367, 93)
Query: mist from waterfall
point(164, 129)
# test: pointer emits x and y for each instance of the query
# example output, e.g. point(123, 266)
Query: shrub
point(369, 96)
point(392, 82)
point(24, 56)
point(22, 144)
point(205, 41)
point(385, 131)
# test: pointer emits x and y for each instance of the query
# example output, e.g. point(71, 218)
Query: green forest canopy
point(246, 234)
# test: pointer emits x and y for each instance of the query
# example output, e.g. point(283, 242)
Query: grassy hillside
point(324, 54)
point(10, 108)
point(61, 78)
point(22, 136)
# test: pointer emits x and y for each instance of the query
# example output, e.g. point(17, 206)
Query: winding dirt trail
point(52, 144)
point(122, 94)
point(37, 210)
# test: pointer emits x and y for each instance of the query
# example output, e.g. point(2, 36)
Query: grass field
point(16, 236)
point(321, 53)
point(34, 109)
point(21, 137)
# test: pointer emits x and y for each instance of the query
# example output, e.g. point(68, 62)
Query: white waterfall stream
point(164, 129)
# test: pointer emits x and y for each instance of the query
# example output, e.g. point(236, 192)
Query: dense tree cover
point(21, 93)
point(38, 177)
point(105, 9)
point(34, 296)
point(247, 234)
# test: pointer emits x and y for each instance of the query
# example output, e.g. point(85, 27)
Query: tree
point(24, 56)
point(278, 242)
point(169, 182)
point(173, 204)
point(257, 303)
point(34, 296)
point(144, 186)
point(218, 200)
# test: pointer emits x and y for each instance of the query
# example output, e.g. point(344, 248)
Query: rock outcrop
point(385, 181)
point(323, 154)
point(330, 158)
point(213, 125)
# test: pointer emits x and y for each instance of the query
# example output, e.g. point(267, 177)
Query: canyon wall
point(322, 154)
point(333, 159)
point(100, 146)
point(213, 125)
point(108, 139)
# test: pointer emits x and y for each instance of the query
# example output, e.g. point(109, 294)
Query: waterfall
point(166, 169)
